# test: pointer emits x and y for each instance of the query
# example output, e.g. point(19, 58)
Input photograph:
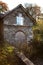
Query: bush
point(8, 56)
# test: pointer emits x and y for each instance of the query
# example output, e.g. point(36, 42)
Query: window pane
point(19, 20)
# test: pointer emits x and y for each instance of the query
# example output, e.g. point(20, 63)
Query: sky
point(13, 3)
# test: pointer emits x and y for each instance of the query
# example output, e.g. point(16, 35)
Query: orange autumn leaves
point(3, 7)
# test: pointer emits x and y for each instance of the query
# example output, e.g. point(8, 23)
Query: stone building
point(18, 26)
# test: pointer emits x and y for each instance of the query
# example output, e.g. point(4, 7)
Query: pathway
point(23, 57)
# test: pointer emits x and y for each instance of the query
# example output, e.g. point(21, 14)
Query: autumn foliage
point(3, 6)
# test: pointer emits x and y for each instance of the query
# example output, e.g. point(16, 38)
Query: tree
point(38, 30)
point(3, 7)
point(34, 10)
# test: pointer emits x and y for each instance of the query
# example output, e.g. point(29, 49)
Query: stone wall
point(11, 30)
point(11, 27)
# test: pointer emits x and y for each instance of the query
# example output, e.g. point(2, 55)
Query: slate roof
point(19, 6)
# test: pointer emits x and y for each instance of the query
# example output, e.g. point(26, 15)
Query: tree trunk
point(1, 31)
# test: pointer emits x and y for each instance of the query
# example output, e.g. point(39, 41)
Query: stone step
point(23, 57)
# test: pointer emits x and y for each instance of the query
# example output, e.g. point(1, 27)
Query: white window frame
point(19, 19)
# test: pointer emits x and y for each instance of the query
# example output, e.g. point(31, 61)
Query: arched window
point(19, 19)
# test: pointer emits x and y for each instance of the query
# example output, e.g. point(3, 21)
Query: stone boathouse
point(18, 26)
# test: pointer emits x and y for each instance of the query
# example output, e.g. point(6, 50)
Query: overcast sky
point(14, 3)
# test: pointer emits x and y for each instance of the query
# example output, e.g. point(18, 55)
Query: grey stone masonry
point(15, 33)
point(11, 30)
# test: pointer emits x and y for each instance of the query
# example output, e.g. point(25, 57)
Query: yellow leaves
point(40, 24)
point(10, 49)
point(6, 52)
point(38, 30)
point(2, 56)
point(8, 64)
point(38, 37)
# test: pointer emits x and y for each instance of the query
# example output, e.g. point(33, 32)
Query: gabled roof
point(20, 6)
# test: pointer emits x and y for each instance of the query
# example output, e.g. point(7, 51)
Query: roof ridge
point(20, 5)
